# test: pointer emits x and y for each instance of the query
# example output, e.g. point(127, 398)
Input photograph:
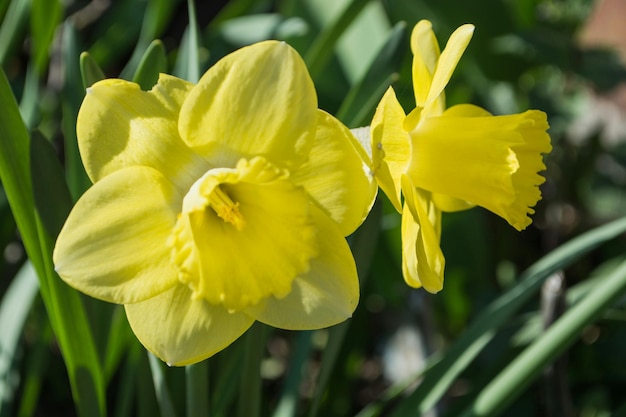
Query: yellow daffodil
point(442, 159)
point(216, 204)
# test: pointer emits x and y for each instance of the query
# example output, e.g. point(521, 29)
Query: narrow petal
point(259, 100)
point(422, 258)
point(448, 61)
point(336, 175)
point(492, 161)
point(113, 244)
point(119, 125)
point(391, 146)
point(324, 296)
point(257, 247)
point(426, 53)
point(181, 329)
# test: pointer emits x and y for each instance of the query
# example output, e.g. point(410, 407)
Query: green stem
point(249, 404)
point(197, 389)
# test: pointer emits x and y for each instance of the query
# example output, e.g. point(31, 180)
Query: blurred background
point(565, 57)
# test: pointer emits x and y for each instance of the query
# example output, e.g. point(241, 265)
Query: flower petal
point(425, 55)
point(324, 296)
point(391, 146)
point(422, 259)
point(181, 329)
point(113, 244)
point(448, 61)
point(336, 176)
point(119, 125)
point(259, 100)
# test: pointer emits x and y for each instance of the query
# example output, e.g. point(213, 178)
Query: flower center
point(225, 208)
point(256, 238)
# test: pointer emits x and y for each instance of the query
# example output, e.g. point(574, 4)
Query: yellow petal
point(259, 100)
point(182, 330)
point(336, 175)
point(113, 245)
point(325, 295)
point(422, 259)
point(425, 56)
point(450, 204)
point(391, 146)
point(491, 161)
point(244, 234)
point(119, 125)
point(448, 60)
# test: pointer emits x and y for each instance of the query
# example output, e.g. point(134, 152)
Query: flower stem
point(197, 390)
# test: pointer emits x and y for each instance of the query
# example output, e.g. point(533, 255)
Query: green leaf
point(322, 48)
point(161, 389)
point(197, 389)
point(249, 404)
point(15, 173)
point(44, 18)
point(363, 97)
point(90, 70)
point(188, 61)
point(151, 65)
point(438, 379)
point(72, 97)
point(287, 405)
point(64, 307)
point(13, 27)
point(14, 309)
point(49, 185)
point(155, 18)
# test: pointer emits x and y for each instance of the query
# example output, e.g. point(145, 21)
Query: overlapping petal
point(425, 55)
point(422, 259)
point(113, 244)
point(391, 146)
point(119, 125)
point(335, 175)
point(325, 295)
point(259, 100)
point(181, 329)
point(448, 61)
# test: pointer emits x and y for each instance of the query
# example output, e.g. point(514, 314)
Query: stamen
point(226, 208)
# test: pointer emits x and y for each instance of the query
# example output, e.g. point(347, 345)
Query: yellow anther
point(226, 208)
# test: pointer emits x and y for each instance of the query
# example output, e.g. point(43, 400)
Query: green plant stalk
point(197, 389)
point(249, 404)
point(193, 66)
point(291, 386)
point(514, 379)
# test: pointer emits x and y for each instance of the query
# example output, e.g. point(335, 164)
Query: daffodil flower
point(451, 159)
point(216, 204)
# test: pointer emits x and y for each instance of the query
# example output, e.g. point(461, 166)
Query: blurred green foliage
point(525, 54)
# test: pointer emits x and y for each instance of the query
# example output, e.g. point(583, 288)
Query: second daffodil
point(451, 159)
point(216, 204)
